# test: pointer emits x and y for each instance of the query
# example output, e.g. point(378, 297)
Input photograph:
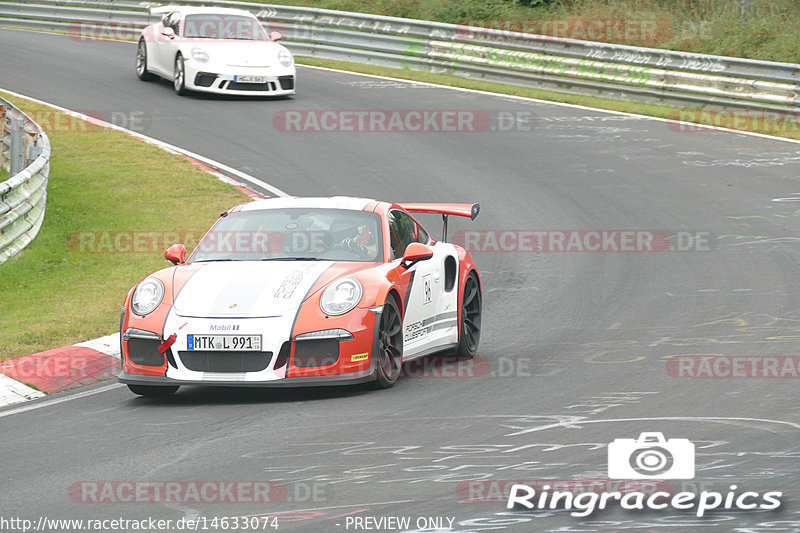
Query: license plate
point(250, 79)
point(226, 343)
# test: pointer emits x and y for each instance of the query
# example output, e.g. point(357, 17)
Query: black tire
point(153, 391)
point(390, 346)
point(469, 330)
point(179, 76)
point(141, 62)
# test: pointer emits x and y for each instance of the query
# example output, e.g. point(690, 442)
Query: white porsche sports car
point(215, 50)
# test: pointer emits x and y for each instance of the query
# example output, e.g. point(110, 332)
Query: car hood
point(248, 289)
point(240, 53)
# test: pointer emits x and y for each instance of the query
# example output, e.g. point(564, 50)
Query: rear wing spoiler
point(460, 210)
point(160, 10)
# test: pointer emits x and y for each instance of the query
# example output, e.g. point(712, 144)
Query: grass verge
point(59, 292)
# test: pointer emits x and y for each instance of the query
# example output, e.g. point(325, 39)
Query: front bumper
point(221, 80)
point(307, 362)
point(316, 381)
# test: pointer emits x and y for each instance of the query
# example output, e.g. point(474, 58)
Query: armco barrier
point(556, 64)
point(25, 155)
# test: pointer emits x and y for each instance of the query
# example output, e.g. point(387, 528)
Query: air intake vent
point(201, 361)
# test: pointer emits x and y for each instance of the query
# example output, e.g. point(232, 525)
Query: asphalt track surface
point(577, 342)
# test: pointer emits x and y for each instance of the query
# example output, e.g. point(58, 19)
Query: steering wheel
point(350, 245)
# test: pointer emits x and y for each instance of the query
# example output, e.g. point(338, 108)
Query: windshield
point(293, 234)
point(212, 26)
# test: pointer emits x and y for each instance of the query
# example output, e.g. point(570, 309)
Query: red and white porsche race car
point(302, 292)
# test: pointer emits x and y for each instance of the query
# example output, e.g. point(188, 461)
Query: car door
point(424, 296)
point(166, 48)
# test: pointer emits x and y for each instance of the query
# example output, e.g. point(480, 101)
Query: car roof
point(198, 10)
point(335, 202)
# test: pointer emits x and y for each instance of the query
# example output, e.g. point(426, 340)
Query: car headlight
point(285, 58)
point(341, 296)
point(147, 296)
point(200, 55)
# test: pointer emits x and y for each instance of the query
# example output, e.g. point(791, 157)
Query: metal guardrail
point(25, 155)
point(556, 64)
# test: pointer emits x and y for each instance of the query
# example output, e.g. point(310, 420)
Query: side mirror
point(176, 254)
point(275, 35)
point(415, 252)
point(168, 32)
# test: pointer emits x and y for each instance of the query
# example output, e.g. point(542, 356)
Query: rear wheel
point(141, 62)
point(470, 330)
point(153, 391)
point(179, 76)
point(390, 346)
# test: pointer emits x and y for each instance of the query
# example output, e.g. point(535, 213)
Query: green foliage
point(767, 31)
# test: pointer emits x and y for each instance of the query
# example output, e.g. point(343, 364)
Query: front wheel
point(153, 391)
point(470, 330)
point(179, 76)
point(141, 62)
point(390, 346)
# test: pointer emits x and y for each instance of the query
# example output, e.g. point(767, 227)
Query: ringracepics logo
point(650, 457)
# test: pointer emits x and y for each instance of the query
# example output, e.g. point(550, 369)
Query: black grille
point(287, 82)
point(204, 79)
point(321, 352)
point(145, 352)
point(201, 361)
point(235, 86)
point(283, 355)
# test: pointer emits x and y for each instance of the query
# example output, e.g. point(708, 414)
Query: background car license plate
point(226, 343)
point(250, 79)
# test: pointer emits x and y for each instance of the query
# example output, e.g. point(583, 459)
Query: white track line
point(561, 104)
point(12, 391)
point(55, 401)
point(161, 144)
point(488, 93)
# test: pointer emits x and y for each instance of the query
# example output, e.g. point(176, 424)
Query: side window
point(422, 235)
point(173, 21)
point(402, 232)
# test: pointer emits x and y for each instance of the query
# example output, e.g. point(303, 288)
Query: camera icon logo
point(651, 457)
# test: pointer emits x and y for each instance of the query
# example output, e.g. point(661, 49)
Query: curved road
point(577, 343)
